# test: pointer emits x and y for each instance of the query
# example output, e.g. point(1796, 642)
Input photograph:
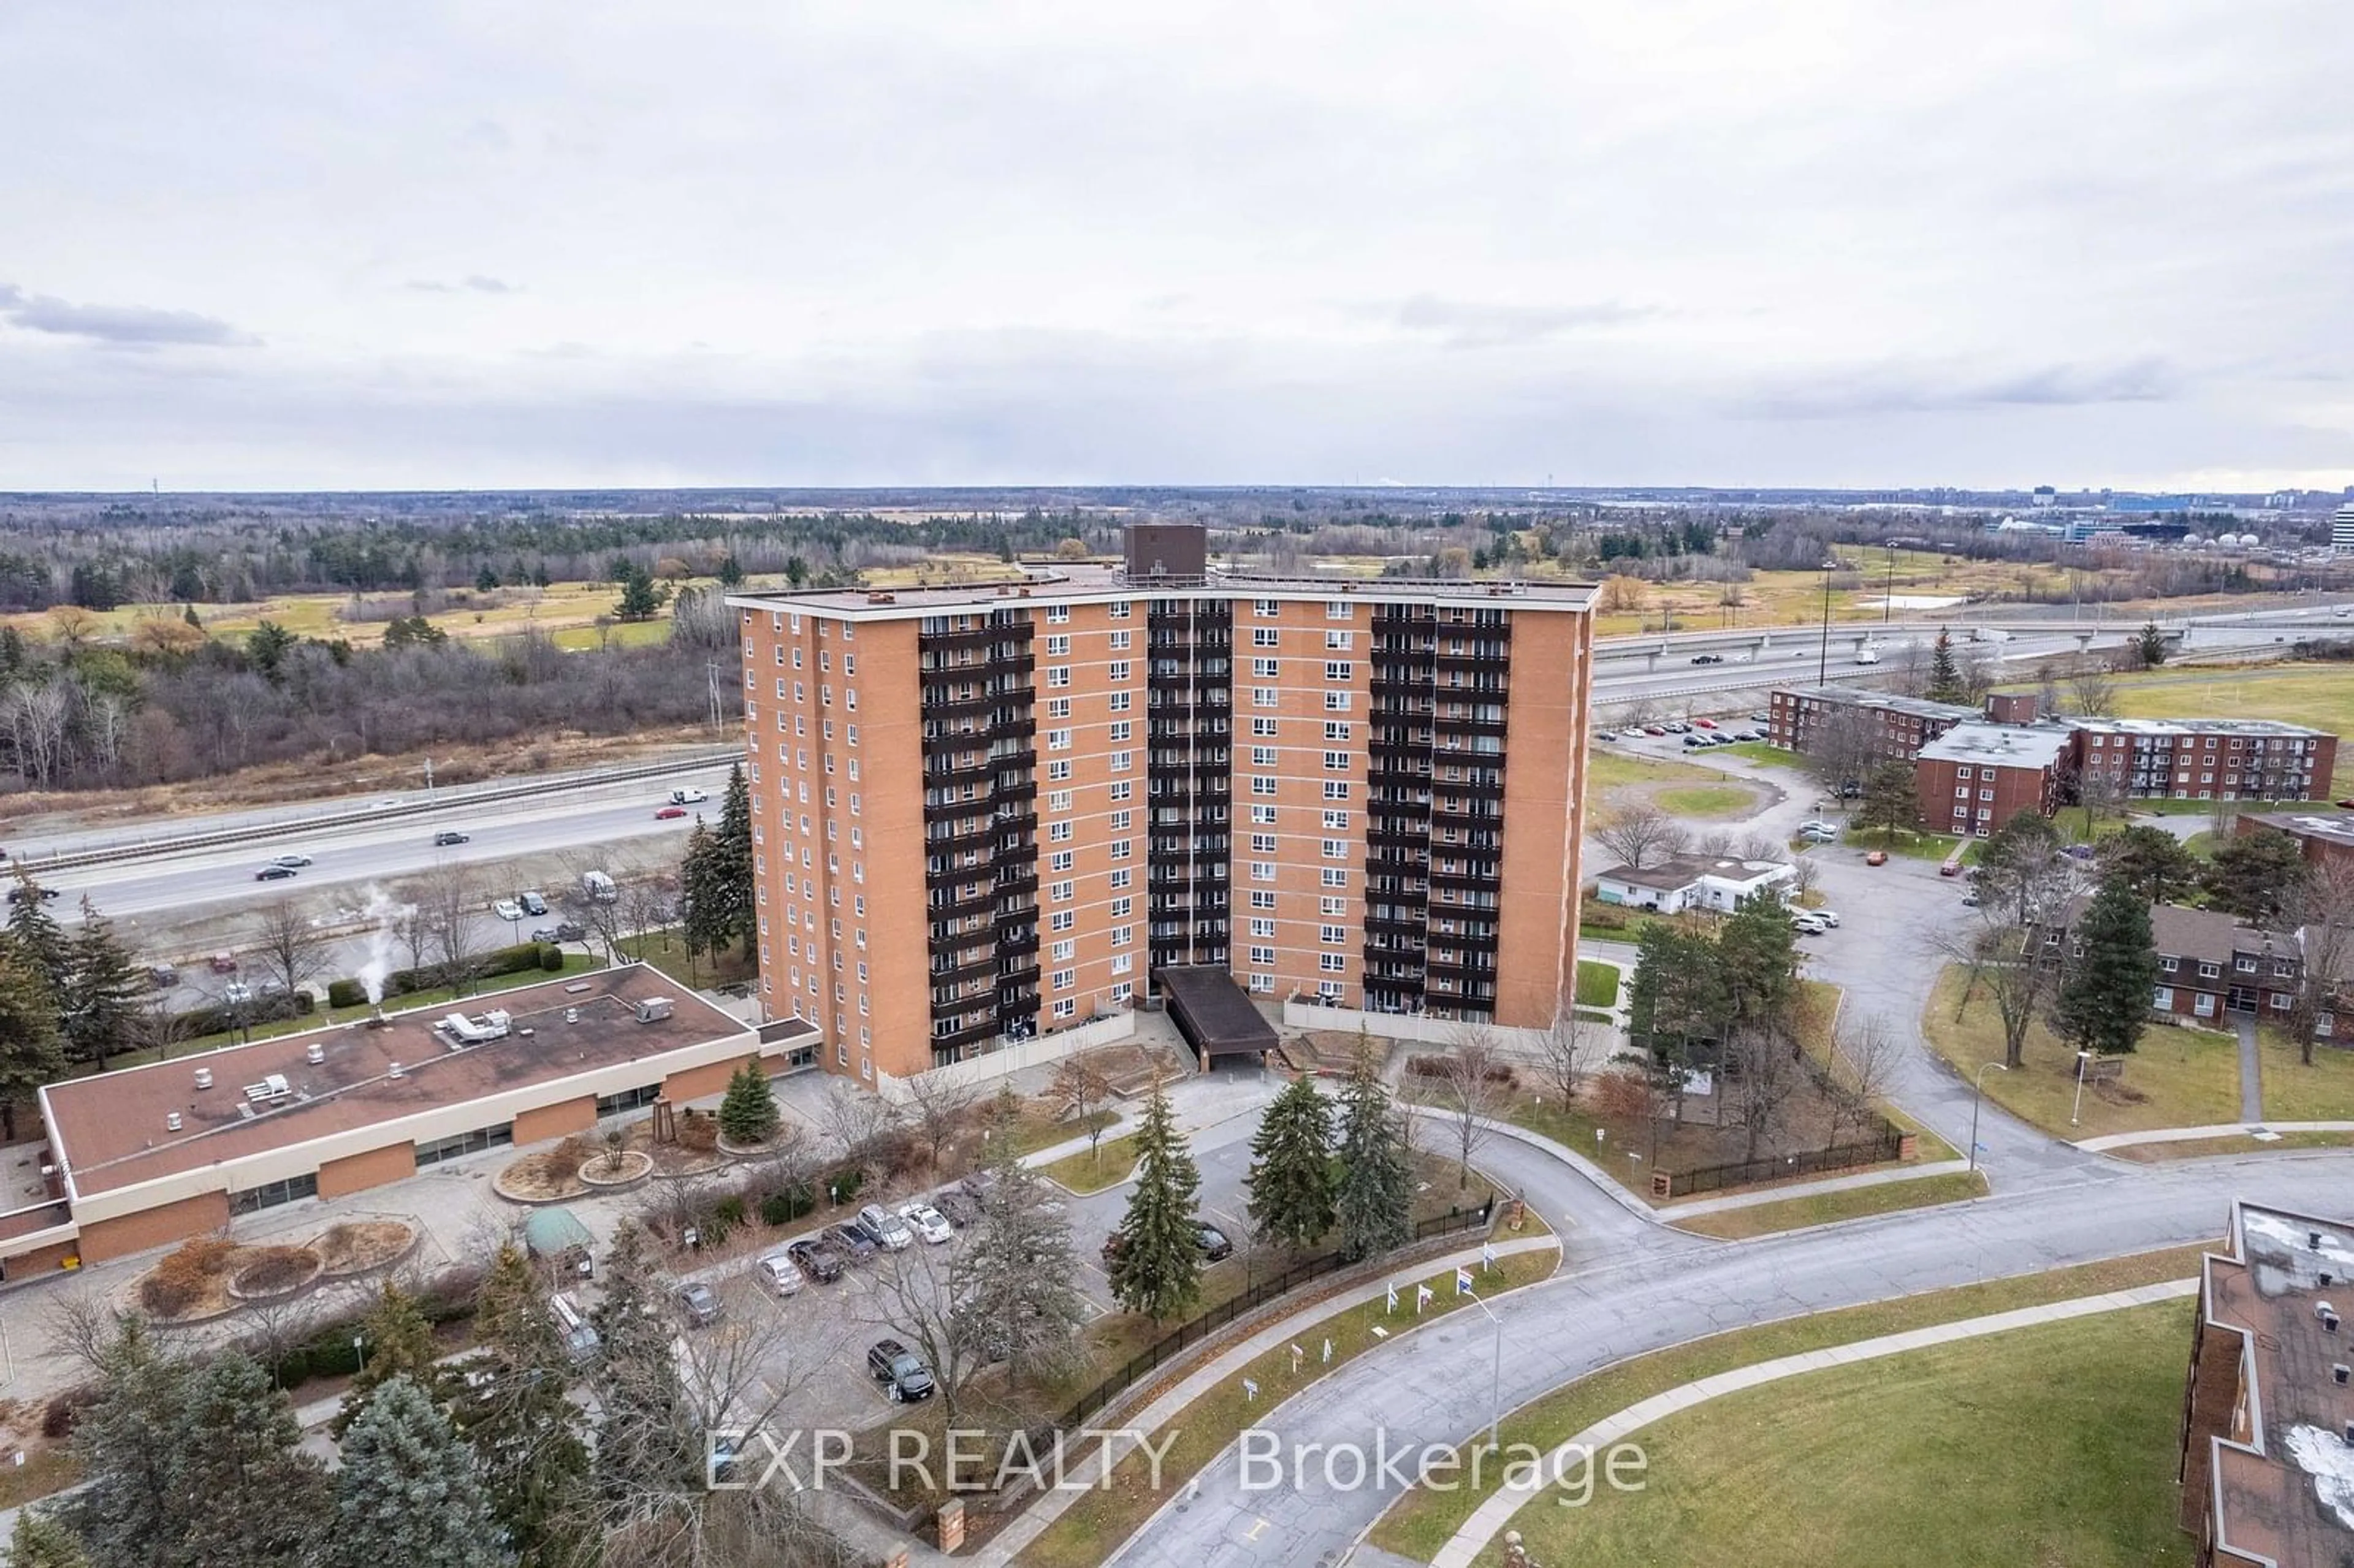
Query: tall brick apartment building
point(987, 812)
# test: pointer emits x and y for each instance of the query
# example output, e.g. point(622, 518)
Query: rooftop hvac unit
point(393, 1071)
point(204, 1077)
point(2341, 1375)
point(172, 1124)
point(315, 1054)
point(2323, 1309)
point(655, 1009)
point(272, 1088)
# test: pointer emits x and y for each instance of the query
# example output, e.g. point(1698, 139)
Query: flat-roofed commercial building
point(987, 813)
point(154, 1154)
point(2268, 1412)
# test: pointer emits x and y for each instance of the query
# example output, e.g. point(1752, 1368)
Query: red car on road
point(670, 813)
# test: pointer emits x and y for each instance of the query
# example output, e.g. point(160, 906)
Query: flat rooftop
point(2003, 745)
point(1090, 580)
point(1857, 696)
point(110, 1130)
point(2193, 726)
point(1683, 871)
point(2336, 828)
point(1213, 1012)
point(2292, 1502)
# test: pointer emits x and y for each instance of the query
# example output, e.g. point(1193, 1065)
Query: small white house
point(1691, 883)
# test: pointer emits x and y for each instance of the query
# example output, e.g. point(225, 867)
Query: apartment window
point(1058, 833)
point(1262, 785)
point(2166, 965)
point(1062, 920)
point(1336, 789)
point(1264, 697)
point(1339, 641)
point(1058, 800)
point(1116, 670)
point(1117, 702)
point(1262, 843)
point(1263, 816)
point(1336, 761)
point(1119, 878)
point(1336, 731)
point(1334, 934)
point(1262, 871)
point(2162, 999)
point(1122, 790)
point(1120, 849)
point(1338, 609)
point(1122, 908)
point(1263, 756)
point(1059, 772)
point(1263, 728)
point(1062, 892)
point(1058, 615)
point(1336, 702)
point(1328, 905)
point(1058, 674)
point(1267, 669)
point(1962, 773)
point(1121, 761)
point(1121, 936)
point(1062, 952)
point(1259, 900)
point(1264, 608)
point(1335, 876)
point(1336, 670)
point(1058, 740)
point(1119, 822)
point(1332, 963)
point(1119, 642)
point(1065, 1008)
point(1066, 978)
point(1118, 610)
point(1337, 821)
point(1059, 647)
point(1060, 861)
point(1336, 848)
point(1262, 956)
point(1058, 708)
point(1263, 636)
point(1263, 929)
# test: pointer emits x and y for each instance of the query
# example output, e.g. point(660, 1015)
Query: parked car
point(699, 1304)
point(1215, 1247)
point(449, 836)
point(1748, 735)
point(291, 860)
point(889, 1231)
point(778, 1273)
point(223, 963)
point(2347, 803)
point(925, 1222)
point(1678, 726)
point(814, 1258)
point(237, 993)
point(162, 977)
point(2080, 851)
point(1655, 729)
point(1817, 825)
point(1828, 917)
point(1691, 741)
point(958, 1207)
point(1971, 900)
point(1819, 835)
point(533, 904)
point(850, 1240)
point(507, 909)
point(562, 931)
point(1708, 658)
point(1761, 719)
point(1877, 857)
point(1703, 723)
point(901, 1371)
point(1605, 735)
point(670, 813)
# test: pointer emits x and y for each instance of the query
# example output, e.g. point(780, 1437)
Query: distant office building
point(2341, 529)
point(990, 813)
point(1903, 725)
point(2268, 1412)
point(2045, 495)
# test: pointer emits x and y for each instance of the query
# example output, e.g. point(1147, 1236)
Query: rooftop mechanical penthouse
point(988, 813)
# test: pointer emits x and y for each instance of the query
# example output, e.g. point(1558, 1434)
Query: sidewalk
point(2221, 1129)
point(1033, 1522)
point(1469, 1544)
point(1675, 1212)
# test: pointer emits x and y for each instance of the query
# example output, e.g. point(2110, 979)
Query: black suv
point(851, 1240)
point(816, 1259)
point(902, 1373)
point(1213, 1242)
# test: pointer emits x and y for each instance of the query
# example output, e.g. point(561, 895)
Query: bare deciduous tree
point(858, 1119)
point(1841, 746)
point(1079, 1088)
point(1865, 1058)
point(2004, 957)
point(451, 903)
point(1768, 1073)
point(82, 1325)
point(2093, 693)
point(936, 1105)
point(1636, 834)
point(1563, 1049)
point(1474, 1090)
point(1806, 871)
point(2321, 912)
point(291, 947)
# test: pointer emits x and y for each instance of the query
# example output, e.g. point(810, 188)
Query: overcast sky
point(1591, 241)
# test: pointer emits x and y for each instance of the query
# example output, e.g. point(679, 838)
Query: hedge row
point(219, 1018)
point(523, 956)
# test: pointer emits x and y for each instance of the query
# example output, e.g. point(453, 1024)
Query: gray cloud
point(122, 327)
point(1465, 323)
point(1924, 389)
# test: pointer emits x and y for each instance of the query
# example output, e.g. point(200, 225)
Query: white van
point(689, 797)
point(598, 887)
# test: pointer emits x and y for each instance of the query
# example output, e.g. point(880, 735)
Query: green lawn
point(2294, 1092)
point(666, 950)
point(1607, 770)
point(1904, 842)
point(1763, 752)
point(2179, 1077)
point(2053, 1444)
point(1706, 801)
point(1597, 983)
point(1825, 1208)
point(1422, 1521)
point(1107, 1165)
point(1036, 1131)
point(2317, 695)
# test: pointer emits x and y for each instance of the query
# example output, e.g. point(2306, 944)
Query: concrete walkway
point(2251, 1071)
point(1675, 1212)
point(1033, 1522)
point(1470, 1543)
point(2221, 1129)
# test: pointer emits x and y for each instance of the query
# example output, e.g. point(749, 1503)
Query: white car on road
point(925, 1222)
point(507, 909)
point(1828, 917)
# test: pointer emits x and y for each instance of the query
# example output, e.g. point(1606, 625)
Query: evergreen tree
point(1889, 801)
point(29, 1055)
point(1374, 1206)
point(748, 1114)
point(125, 1513)
point(248, 1498)
point(486, 580)
point(731, 571)
point(639, 599)
point(189, 615)
point(400, 1343)
point(703, 917)
point(267, 646)
point(100, 1013)
point(2150, 645)
point(1291, 1168)
point(2104, 999)
point(1016, 1274)
point(647, 1450)
point(407, 1492)
point(40, 1542)
point(2255, 876)
point(2152, 861)
point(39, 937)
point(732, 863)
point(511, 1410)
point(1157, 1267)
point(1945, 683)
point(1757, 957)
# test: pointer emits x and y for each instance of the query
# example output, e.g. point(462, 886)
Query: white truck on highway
point(1988, 634)
point(689, 797)
point(1867, 655)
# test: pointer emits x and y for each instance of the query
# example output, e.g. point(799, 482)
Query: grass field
point(2321, 695)
point(666, 950)
point(1706, 801)
point(1827, 1208)
point(1760, 751)
point(1906, 843)
point(1421, 1522)
point(2179, 1077)
point(1794, 599)
point(2294, 1092)
point(1597, 983)
point(2053, 1444)
point(1092, 1171)
point(1607, 770)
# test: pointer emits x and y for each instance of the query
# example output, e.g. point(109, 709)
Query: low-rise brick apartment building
point(2205, 758)
point(2268, 1401)
point(1976, 777)
point(989, 812)
point(2212, 966)
point(1900, 726)
point(2326, 838)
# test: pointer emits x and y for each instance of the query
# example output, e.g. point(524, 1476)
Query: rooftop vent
point(393, 1071)
point(571, 1015)
point(315, 1054)
point(2323, 1309)
point(2313, 1241)
point(172, 1124)
point(204, 1077)
point(2341, 1375)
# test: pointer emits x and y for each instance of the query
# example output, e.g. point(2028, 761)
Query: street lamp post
point(1977, 1100)
point(1495, 1376)
point(1823, 659)
point(2082, 1057)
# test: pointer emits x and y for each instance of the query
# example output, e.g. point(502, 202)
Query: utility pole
point(711, 672)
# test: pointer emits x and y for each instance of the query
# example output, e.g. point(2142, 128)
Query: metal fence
point(1886, 1146)
point(1187, 1335)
